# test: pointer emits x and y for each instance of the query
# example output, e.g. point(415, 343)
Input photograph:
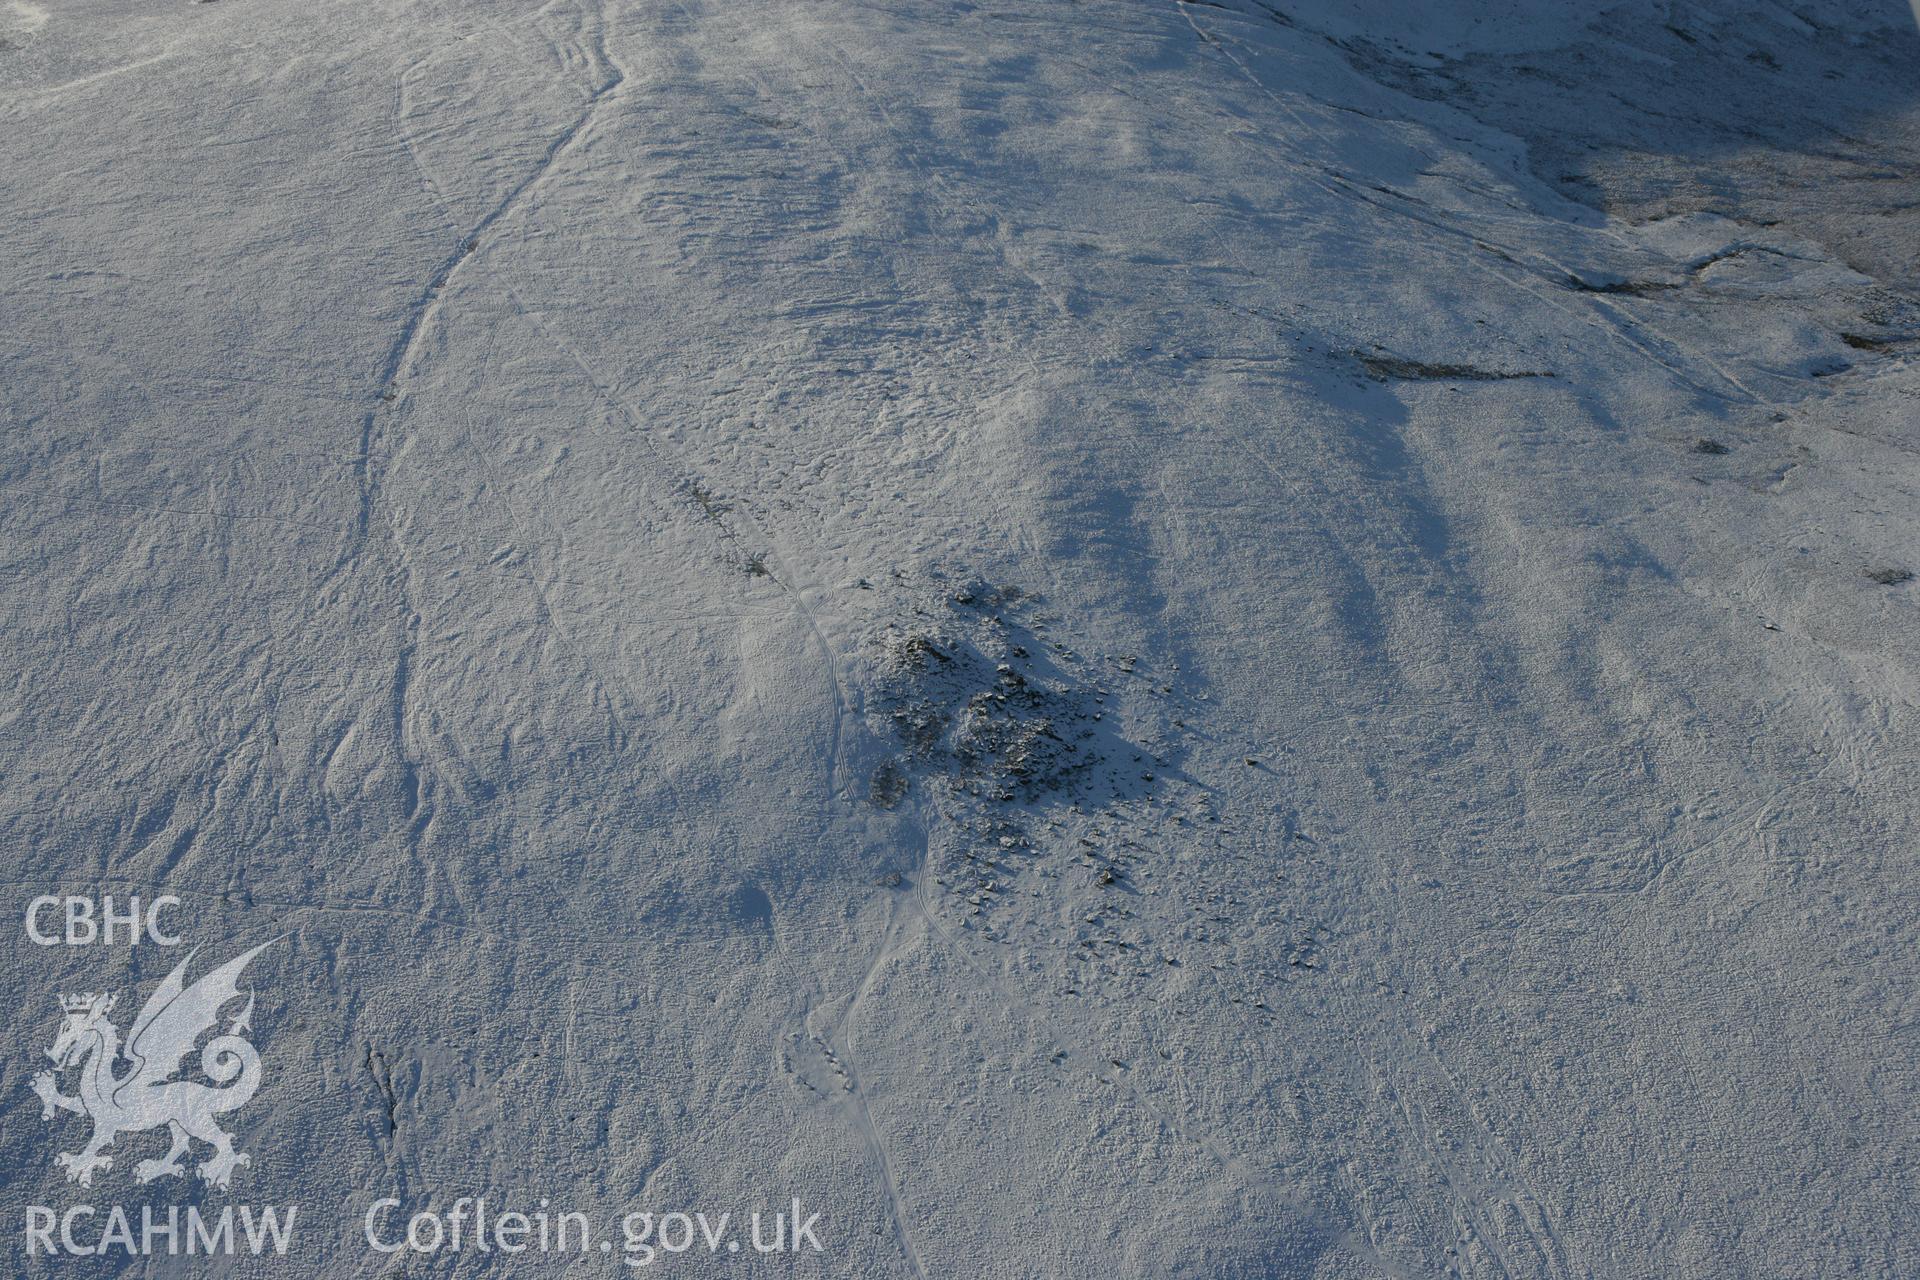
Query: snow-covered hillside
point(1106, 638)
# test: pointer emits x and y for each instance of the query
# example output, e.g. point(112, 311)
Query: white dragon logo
point(147, 1096)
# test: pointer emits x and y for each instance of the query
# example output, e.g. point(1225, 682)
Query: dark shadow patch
point(1382, 367)
point(1620, 288)
point(750, 906)
point(1764, 116)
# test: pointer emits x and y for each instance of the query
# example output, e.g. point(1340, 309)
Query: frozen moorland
point(1244, 638)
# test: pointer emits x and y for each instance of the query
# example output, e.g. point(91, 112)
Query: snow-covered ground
point(1117, 638)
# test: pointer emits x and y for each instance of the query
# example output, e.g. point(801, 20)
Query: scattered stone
point(887, 786)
